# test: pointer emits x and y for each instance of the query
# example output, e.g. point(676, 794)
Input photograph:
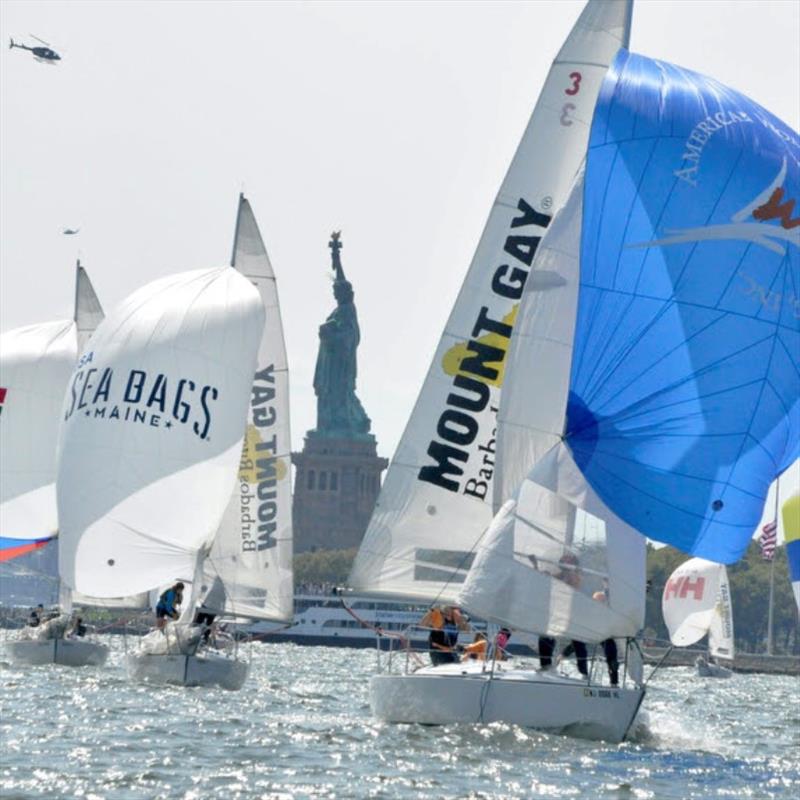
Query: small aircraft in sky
point(70, 231)
point(44, 54)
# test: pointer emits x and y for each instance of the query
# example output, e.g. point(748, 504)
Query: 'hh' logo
point(765, 207)
point(681, 587)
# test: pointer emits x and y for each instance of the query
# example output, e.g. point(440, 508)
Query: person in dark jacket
point(168, 604)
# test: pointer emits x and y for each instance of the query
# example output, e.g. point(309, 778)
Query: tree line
point(749, 582)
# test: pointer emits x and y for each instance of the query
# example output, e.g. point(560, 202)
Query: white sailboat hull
point(705, 670)
point(67, 652)
point(546, 701)
point(176, 669)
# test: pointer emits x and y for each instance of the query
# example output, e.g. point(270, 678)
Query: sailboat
point(697, 602)
point(648, 391)
point(151, 435)
point(437, 503)
point(35, 365)
point(247, 573)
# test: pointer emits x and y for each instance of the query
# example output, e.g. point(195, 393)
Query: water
point(301, 728)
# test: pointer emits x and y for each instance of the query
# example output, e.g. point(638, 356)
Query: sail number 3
point(572, 90)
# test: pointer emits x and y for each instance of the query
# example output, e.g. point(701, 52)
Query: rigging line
point(364, 623)
point(635, 195)
point(461, 564)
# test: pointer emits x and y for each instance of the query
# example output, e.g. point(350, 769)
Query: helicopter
point(44, 54)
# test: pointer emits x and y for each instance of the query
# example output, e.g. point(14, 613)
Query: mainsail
point(152, 429)
point(252, 552)
point(88, 311)
point(436, 501)
point(684, 391)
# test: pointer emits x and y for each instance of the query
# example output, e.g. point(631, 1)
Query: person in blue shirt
point(168, 604)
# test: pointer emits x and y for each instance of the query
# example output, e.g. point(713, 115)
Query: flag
point(768, 540)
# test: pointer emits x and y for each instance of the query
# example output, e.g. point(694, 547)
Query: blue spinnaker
point(684, 397)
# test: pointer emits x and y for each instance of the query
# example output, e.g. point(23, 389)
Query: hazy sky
point(392, 121)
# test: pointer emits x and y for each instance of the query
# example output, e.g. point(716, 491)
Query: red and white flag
point(768, 540)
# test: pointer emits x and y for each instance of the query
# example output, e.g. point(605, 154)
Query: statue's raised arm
point(339, 411)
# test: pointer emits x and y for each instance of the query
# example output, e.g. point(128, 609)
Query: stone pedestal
point(336, 484)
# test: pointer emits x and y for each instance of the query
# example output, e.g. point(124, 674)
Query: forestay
point(35, 365)
point(689, 600)
point(152, 431)
point(684, 396)
point(252, 552)
point(436, 501)
point(546, 565)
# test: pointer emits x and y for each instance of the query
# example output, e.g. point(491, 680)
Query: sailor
point(609, 645)
point(78, 628)
point(477, 650)
point(569, 572)
point(168, 604)
point(500, 642)
point(213, 599)
point(444, 624)
point(35, 617)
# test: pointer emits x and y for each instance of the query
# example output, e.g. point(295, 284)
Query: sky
point(394, 122)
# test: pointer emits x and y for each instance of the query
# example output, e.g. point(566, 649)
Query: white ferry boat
point(321, 619)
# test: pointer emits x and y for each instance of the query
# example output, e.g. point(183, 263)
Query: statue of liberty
point(339, 411)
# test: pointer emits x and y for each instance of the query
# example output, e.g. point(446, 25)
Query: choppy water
point(301, 728)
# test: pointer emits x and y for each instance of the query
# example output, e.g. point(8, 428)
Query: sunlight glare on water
point(301, 728)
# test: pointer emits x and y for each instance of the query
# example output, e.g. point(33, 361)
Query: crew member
point(168, 604)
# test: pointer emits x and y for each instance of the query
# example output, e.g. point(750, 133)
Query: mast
point(770, 631)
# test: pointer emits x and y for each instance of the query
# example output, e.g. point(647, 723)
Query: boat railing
point(405, 655)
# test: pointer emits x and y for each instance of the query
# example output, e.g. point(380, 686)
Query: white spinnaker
point(252, 552)
point(689, 601)
point(152, 431)
point(720, 634)
point(35, 365)
point(549, 565)
point(437, 497)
